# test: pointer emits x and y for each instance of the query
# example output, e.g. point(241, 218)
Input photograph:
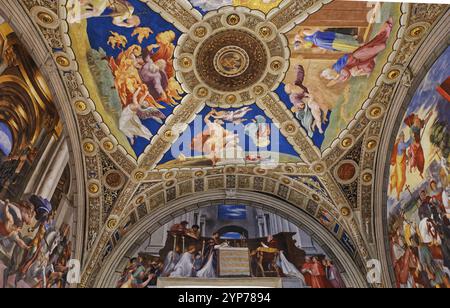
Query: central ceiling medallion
point(237, 56)
point(231, 61)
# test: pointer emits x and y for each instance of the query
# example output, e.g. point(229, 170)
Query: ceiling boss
point(231, 58)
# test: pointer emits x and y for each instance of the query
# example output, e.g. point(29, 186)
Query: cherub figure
point(12, 218)
point(130, 121)
point(234, 116)
point(121, 11)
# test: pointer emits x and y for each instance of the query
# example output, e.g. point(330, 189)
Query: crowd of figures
point(419, 217)
point(418, 203)
point(201, 261)
point(421, 251)
point(34, 252)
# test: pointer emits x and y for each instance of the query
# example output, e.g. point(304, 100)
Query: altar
point(233, 262)
point(230, 283)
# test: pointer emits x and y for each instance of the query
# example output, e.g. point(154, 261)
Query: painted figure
point(326, 40)
point(361, 62)
point(217, 143)
point(172, 259)
point(144, 78)
point(126, 74)
point(154, 76)
point(415, 152)
point(130, 121)
point(289, 269)
point(306, 108)
point(121, 11)
point(334, 276)
point(136, 275)
point(399, 161)
point(316, 273)
point(12, 219)
point(185, 266)
point(234, 116)
point(259, 131)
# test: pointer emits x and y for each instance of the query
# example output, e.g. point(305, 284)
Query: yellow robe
point(398, 177)
point(258, 4)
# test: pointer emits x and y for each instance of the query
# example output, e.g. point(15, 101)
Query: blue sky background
point(426, 95)
point(99, 30)
point(232, 212)
point(198, 126)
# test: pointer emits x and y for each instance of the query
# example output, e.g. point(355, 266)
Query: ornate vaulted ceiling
point(135, 80)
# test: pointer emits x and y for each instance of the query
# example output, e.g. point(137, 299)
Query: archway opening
point(230, 242)
point(233, 233)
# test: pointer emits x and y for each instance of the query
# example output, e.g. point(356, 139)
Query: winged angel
point(145, 78)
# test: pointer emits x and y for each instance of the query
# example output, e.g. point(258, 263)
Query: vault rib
point(182, 116)
point(160, 144)
point(180, 13)
point(289, 127)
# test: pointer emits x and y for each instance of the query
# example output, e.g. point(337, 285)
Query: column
point(279, 224)
point(260, 223)
point(39, 169)
point(53, 174)
point(266, 229)
point(273, 224)
point(286, 227)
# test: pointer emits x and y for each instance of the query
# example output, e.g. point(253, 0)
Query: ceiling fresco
point(171, 104)
point(335, 66)
point(249, 137)
point(126, 51)
point(265, 6)
point(128, 68)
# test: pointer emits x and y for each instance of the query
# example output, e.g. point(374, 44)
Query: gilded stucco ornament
point(232, 64)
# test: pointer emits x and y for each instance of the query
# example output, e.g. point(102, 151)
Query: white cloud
point(209, 5)
point(5, 143)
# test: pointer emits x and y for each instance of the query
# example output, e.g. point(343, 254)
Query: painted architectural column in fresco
point(36, 177)
point(56, 166)
point(65, 211)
